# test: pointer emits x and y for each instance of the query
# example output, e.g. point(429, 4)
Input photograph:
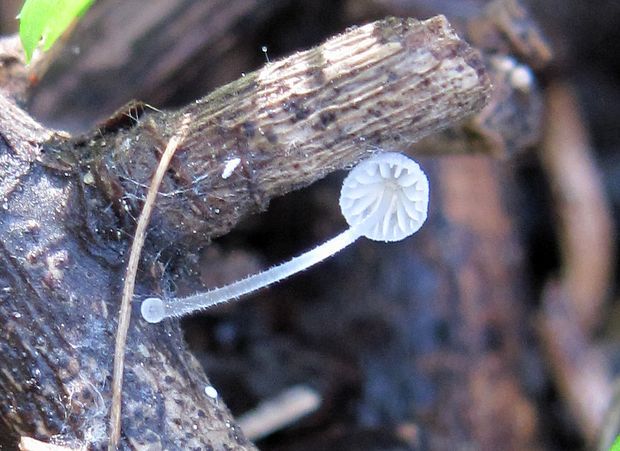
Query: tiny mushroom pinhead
point(384, 198)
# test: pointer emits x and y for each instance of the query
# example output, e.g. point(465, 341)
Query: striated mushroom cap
point(386, 197)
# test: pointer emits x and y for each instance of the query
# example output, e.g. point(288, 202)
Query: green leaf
point(42, 22)
point(616, 444)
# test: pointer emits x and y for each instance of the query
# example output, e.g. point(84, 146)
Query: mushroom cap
point(385, 196)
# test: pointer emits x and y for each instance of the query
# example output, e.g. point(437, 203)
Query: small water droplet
point(211, 392)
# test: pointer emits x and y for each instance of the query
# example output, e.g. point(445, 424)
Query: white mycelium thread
point(384, 198)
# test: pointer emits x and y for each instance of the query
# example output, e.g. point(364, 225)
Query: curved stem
point(190, 304)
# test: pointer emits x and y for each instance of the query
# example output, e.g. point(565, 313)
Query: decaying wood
point(59, 291)
point(509, 124)
point(513, 45)
point(68, 204)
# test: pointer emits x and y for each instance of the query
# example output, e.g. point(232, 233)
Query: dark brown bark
point(68, 206)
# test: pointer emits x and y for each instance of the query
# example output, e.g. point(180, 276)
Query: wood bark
point(69, 203)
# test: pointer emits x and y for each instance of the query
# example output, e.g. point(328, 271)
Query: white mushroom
point(384, 198)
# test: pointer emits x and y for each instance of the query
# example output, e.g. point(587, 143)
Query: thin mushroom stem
point(384, 198)
point(154, 309)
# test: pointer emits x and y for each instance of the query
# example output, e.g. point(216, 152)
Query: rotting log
point(68, 208)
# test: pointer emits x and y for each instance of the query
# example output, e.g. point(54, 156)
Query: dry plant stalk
point(280, 411)
point(124, 315)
